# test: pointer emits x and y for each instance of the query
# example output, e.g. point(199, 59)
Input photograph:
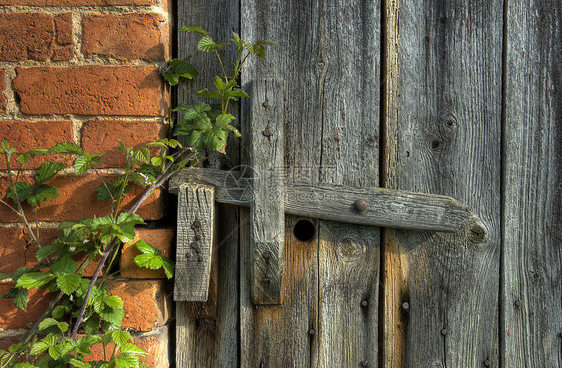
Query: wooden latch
point(269, 198)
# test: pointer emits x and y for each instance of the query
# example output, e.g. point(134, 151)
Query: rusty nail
point(266, 132)
point(266, 104)
point(487, 363)
point(444, 331)
point(364, 363)
point(364, 303)
point(266, 279)
point(360, 205)
point(193, 227)
point(311, 332)
point(200, 259)
point(266, 255)
point(188, 255)
point(517, 303)
point(194, 245)
point(197, 223)
point(198, 236)
point(405, 306)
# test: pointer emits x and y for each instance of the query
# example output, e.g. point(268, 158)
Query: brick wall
point(85, 71)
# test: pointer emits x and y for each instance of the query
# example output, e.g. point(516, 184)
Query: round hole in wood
point(304, 230)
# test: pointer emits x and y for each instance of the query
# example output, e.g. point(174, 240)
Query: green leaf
point(237, 40)
point(48, 170)
point(169, 267)
point(150, 261)
point(82, 164)
point(55, 351)
point(171, 78)
point(113, 316)
point(144, 247)
point(41, 194)
point(24, 365)
point(224, 119)
point(60, 311)
point(120, 337)
point(64, 266)
point(129, 348)
point(127, 361)
point(69, 283)
point(142, 155)
point(49, 322)
point(4, 276)
point(33, 280)
point(77, 363)
point(206, 93)
point(130, 218)
point(23, 190)
point(21, 299)
point(5, 145)
point(92, 325)
point(206, 44)
point(45, 251)
point(113, 301)
point(38, 348)
point(194, 29)
point(67, 148)
point(237, 93)
point(219, 83)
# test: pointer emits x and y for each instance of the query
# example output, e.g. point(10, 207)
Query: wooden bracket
point(267, 211)
point(195, 241)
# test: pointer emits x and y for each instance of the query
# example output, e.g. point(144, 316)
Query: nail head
point(188, 255)
point(405, 305)
point(200, 259)
point(360, 205)
point(311, 332)
point(266, 103)
point(444, 331)
point(517, 303)
point(364, 303)
point(197, 223)
point(487, 363)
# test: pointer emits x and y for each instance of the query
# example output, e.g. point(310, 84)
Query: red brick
point(125, 37)
point(103, 135)
point(25, 135)
point(33, 36)
point(11, 317)
point(75, 2)
point(145, 303)
point(155, 344)
point(2, 88)
point(10, 337)
point(90, 90)
point(158, 238)
point(18, 250)
point(77, 198)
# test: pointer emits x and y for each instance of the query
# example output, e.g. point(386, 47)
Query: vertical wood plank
point(212, 342)
point(532, 257)
point(444, 139)
point(267, 211)
point(195, 238)
point(329, 58)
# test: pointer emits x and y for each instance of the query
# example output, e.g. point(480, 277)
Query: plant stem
point(222, 66)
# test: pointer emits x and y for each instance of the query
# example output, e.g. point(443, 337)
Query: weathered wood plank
point(532, 257)
point(212, 343)
point(445, 139)
point(385, 207)
point(195, 238)
point(267, 210)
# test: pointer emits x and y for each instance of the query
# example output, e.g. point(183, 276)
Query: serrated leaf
point(77, 363)
point(129, 348)
point(144, 247)
point(113, 316)
point(224, 119)
point(237, 93)
point(120, 337)
point(206, 93)
point(24, 158)
point(142, 155)
point(150, 261)
point(38, 348)
point(106, 339)
point(55, 351)
point(171, 78)
point(15, 347)
point(21, 299)
point(206, 44)
point(67, 148)
point(127, 361)
point(24, 365)
point(33, 280)
point(219, 83)
point(45, 251)
point(82, 164)
point(41, 194)
point(48, 170)
point(47, 322)
point(113, 301)
point(60, 311)
point(185, 70)
point(129, 218)
point(194, 29)
point(23, 191)
point(92, 325)
point(169, 267)
point(4, 276)
point(64, 266)
point(69, 283)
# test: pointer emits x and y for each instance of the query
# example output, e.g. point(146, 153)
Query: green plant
point(83, 312)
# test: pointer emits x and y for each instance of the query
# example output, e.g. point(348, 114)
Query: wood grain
point(267, 209)
point(195, 238)
point(385, 207)
point(532, 257)
point(445, 139)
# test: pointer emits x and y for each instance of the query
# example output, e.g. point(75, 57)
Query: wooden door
point(420, 95)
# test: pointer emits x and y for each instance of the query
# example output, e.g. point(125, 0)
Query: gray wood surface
point(195, 238)
point(267, 210)
point(212, 342)
point(445, 139)
point(532, 256)
point(385, 207)
point(328, 56)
